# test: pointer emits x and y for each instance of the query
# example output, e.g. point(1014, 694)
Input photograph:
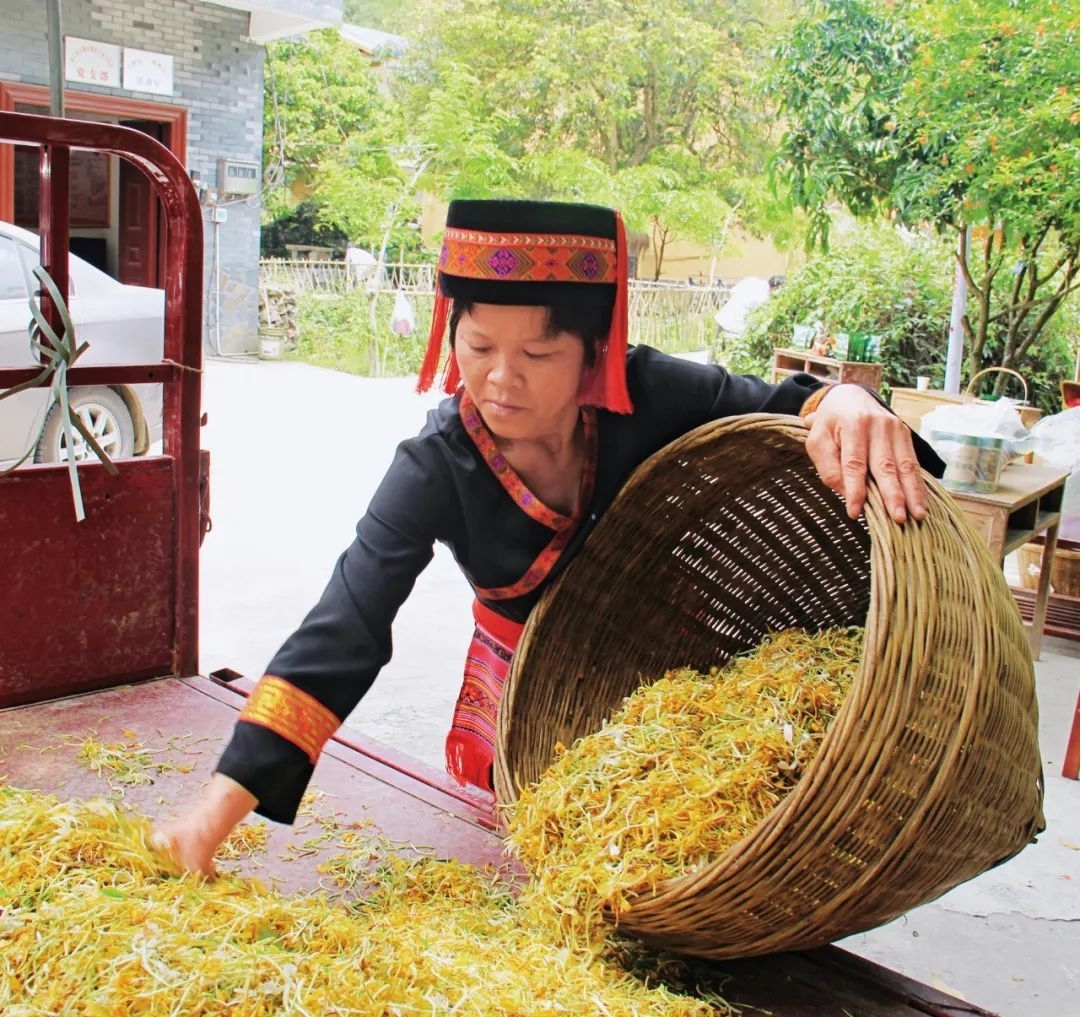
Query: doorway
point(140, 228)
point(116, 222)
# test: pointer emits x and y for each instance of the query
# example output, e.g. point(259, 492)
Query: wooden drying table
point(186, 721)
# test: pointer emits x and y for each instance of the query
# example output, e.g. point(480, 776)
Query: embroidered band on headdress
point(523, 257)
point(532, 253)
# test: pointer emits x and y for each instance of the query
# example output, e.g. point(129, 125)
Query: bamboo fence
point(673, 317)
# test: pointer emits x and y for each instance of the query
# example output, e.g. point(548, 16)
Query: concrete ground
point(296, 453)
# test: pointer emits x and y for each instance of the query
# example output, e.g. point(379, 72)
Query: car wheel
point(103, 413)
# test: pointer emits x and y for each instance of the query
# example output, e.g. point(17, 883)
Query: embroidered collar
point(563, 525)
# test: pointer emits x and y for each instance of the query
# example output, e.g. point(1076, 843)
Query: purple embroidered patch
point(503, 262)
point(590, 265)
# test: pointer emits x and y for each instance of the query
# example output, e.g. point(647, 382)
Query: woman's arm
point(853, 433)
point(325, 667)
point(193, 839)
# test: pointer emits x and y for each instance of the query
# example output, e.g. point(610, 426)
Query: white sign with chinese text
point(91, 63)
point(148, 72)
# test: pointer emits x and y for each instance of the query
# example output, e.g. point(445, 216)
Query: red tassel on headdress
point(430, 364)
point(451, 378)
point(605, 384)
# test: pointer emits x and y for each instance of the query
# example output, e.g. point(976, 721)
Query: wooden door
point(140, 240)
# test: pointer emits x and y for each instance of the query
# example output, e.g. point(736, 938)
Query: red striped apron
point(471, 741)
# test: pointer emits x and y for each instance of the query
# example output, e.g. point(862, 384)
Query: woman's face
point(523, 378)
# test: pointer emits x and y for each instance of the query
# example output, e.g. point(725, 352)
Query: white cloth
point(746, 295)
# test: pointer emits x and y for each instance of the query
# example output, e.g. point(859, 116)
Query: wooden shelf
point(1027, 504)
point(1061, 618)
point(1018, 537)
point(789, 362)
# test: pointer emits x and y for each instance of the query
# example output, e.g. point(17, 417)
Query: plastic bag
point(402, 318)
point(998, 419)
point(976, 440)
point(1057, 441)
point(746, 295)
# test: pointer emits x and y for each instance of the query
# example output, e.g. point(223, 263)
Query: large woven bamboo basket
point(931, 771)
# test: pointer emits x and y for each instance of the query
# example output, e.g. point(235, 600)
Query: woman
point(547, 417)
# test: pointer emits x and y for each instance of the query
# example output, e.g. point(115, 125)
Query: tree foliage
point(648, 105)
point(644, 104)
point(837, 87)
point(332, 137)
point(997, 140)
point(961, 116)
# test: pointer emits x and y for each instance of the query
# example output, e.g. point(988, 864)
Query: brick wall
point(218, 78)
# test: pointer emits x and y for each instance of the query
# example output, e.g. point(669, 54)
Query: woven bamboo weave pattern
point(931, 772)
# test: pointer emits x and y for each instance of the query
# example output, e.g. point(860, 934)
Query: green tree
point(961, 116)
point(645, 104)
point(332, 137)
point(837, 84)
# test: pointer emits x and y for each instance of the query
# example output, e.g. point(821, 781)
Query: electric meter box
point(237, 177)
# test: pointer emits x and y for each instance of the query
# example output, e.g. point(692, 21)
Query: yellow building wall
point(684, 260)
point(433, 217)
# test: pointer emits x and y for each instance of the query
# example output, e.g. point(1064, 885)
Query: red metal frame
point(139, 618)
point(1071, 763)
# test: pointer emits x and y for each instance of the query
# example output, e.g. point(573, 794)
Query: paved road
point(296, 453)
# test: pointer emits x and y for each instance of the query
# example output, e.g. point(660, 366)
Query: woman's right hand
point(192, 840)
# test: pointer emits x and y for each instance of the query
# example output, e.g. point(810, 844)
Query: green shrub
point(336, 331)
point(878, 280)
point(874, 280)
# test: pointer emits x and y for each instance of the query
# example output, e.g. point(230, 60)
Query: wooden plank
point(786, 362)
point(843, 974)
point(187, 722)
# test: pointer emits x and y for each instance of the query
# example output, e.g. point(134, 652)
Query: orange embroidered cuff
point(291, 713)
point(814, 399)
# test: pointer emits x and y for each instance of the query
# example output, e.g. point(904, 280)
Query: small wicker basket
point(931, 772)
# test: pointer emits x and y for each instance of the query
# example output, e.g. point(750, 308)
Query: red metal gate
point(114, 598)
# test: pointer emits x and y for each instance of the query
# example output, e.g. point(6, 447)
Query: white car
point(122, 324)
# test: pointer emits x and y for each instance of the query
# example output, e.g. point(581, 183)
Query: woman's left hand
point(853, 434)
